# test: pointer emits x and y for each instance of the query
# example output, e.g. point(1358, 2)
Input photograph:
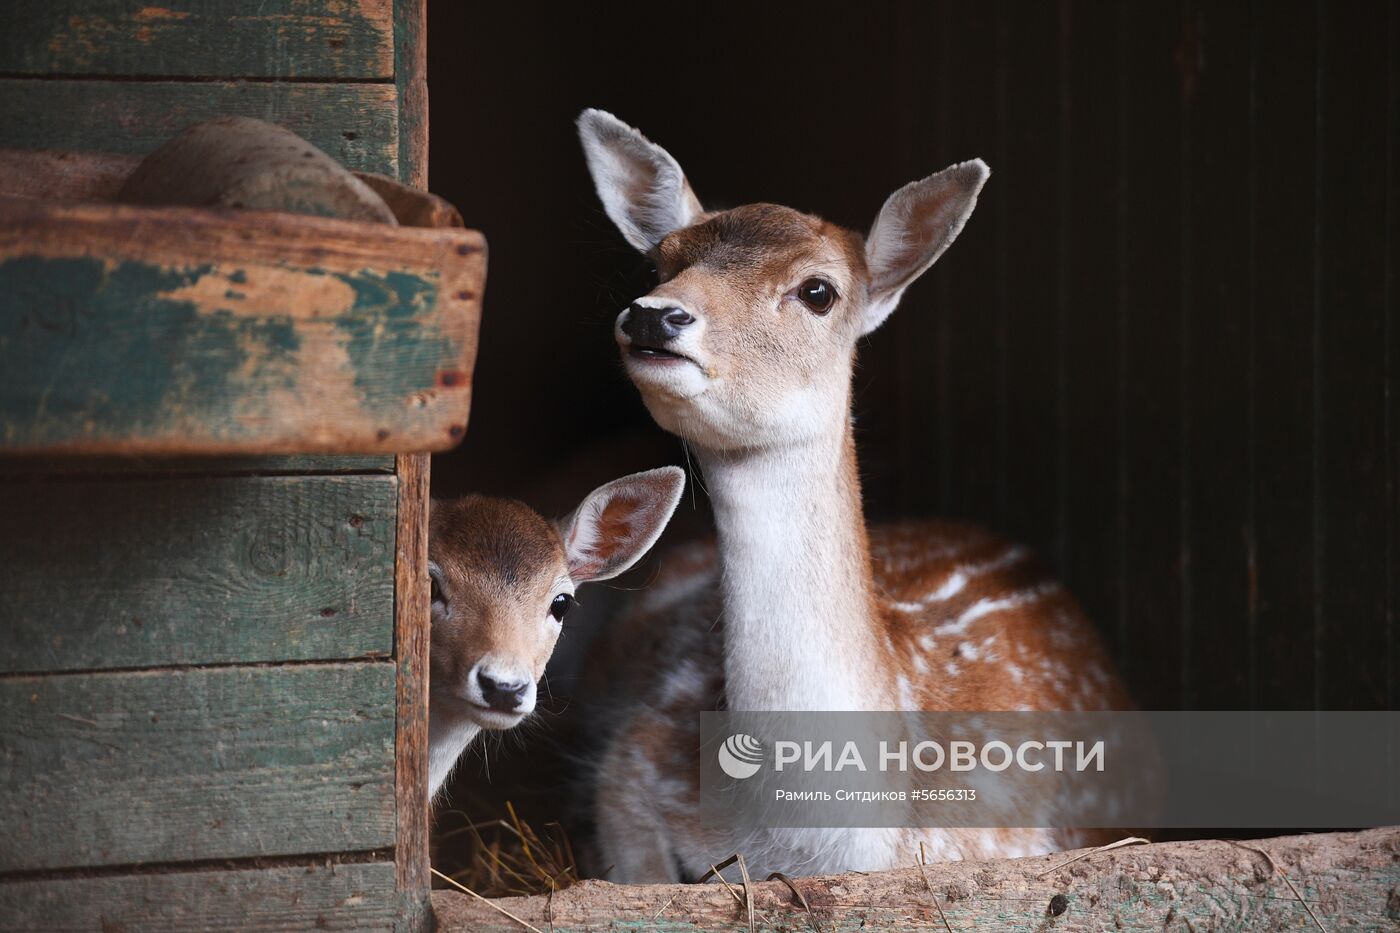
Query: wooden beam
point(127, 330)
point(306, 39)
point(356, 124)
point(320, 896)
point(196, 764)
point(1349, 879)
point(411, 637)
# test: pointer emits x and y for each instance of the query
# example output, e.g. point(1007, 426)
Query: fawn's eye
point(561, 606)
point(817, 294)
point(439, 600)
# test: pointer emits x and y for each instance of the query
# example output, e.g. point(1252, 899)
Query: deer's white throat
point(800, 630)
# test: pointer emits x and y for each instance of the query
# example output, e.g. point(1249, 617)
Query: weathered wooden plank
point(411, 78)
point(1354, 381)
point(1152, 188)
point(307, 39)
point(411, 636)
point(1217, 642)
point(1090, 198)
point(977, 353)
point(237, 466)
point(1028, 248)
point(213, 763)
point(316, 896)
point(182, 331)
point(356, 124)
point(1347, 879)
point(144, 573)
point(1283, 282)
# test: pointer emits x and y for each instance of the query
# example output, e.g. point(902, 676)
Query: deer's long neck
point(800, 627)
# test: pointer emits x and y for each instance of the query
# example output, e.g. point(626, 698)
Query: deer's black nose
point(503, 696)
point(654, 327)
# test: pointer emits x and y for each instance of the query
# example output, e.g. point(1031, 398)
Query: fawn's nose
point(504, 696)
point(650, 326)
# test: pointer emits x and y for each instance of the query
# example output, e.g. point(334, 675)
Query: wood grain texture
point(165, 466)
point(312, 897)
point(411, 637)
point(182, 331)
point(144, 573)
point(307, 39)
point(356, 124)
point(411, 79)
point(215, 763)
point(1348, 879)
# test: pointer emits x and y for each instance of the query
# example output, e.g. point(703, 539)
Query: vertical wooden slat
point(1025, 182)
point(1392, 366)
point(1283, 286)
point(967, 274)
point(1089, 219)
point(411, 616)
point(411, 633)
point(1152, 251)
point(1351, 322)
point(1217, 490)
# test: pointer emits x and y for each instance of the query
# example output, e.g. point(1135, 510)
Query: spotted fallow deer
point(503, 580)
point(745, 350)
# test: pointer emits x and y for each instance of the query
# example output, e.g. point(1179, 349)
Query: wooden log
point(145, 573)
point(249, 164)
point(211, 763)
point(306, 39)
point(1349, 879)
point(322, 896)
point(356, 124)
point(179, 331)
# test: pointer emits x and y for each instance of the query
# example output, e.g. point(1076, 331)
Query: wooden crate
point(213, 672)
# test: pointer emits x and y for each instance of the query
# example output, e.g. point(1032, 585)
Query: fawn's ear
point(642, 188)
point(619, 522)
point(917, 223)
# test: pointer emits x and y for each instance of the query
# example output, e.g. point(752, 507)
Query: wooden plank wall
point(211, 664)
point(1165, 350)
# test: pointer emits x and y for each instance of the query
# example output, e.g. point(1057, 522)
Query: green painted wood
point(311, 897)
point(306, 39)
point(165, 466)
point(144, 573)
point(214, 334)
point(215, 763)
point(356, 124)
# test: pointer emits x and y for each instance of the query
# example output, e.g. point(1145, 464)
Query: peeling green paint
point(101, 348)
point(392, 318)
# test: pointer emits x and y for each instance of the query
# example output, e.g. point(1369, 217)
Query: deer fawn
point(745, 350)
point(503, 579)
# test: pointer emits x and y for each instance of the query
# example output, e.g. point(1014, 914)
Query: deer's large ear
point(642, 188)
point(619, 522)
point(917, 223)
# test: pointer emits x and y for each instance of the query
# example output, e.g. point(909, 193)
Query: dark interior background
point(1163, 352)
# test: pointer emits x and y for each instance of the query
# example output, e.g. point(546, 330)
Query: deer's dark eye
point(439, 600)
point(561, 606)
point(817, 294)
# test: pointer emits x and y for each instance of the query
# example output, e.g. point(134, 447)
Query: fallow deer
point(503, 581)
point(745, 350)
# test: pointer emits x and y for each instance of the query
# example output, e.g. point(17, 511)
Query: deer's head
point(504, 578)
point(749, 337)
